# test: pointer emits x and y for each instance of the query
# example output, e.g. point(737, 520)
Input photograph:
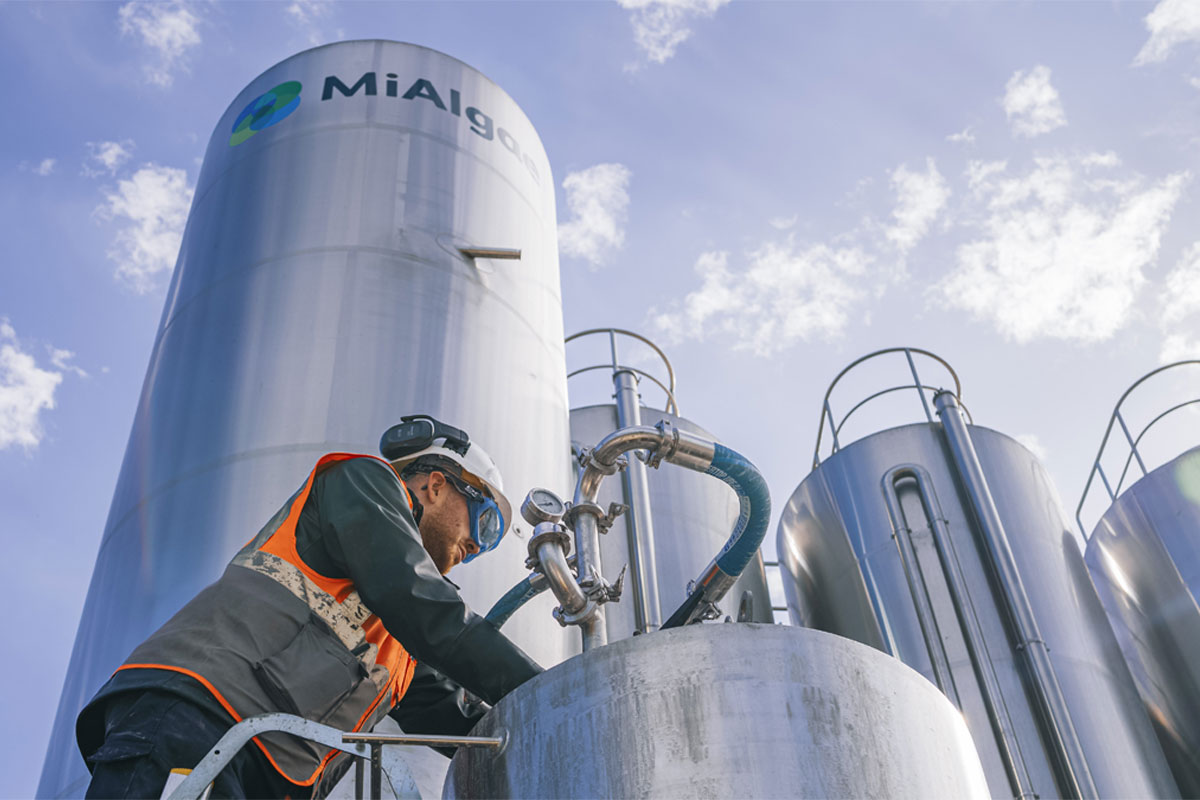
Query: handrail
point(1116, 417)
point(672, 406)
point(921, 388)
point(360, 745)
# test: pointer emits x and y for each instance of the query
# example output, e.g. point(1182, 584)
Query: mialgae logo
point(266, 110)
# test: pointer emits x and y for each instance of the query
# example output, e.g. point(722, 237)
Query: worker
point(337, 611)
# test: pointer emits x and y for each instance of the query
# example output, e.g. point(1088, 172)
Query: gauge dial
point(542, 505)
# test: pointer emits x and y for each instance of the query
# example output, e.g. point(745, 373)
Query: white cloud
point(308, 16)
point(1172, 22)
point(920, 197)
point(784, 223)
point(152, 205)
point(1034, 445)
point(965, 136)
point(105, 158)
point(61, 358)
point(1179, 304)
point(598, 198)
point(25, 391)
point(1032, 104)
point(978, 172)
point(660, 26)
point(170, 29)
point(1058, 255)
point(786, 292)
point(45, 167)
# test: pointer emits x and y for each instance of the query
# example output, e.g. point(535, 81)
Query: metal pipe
point(603, 458)
point(639, 528)
point(902, 533)
point(676, 446)
point(558, 574)
point(589, 565)
point(430, 740)
point(1073, 768)
point(1007, 741)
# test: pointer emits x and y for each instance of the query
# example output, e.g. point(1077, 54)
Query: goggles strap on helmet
point(419, 431)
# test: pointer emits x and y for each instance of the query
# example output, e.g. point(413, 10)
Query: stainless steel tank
point(943, 544)
point(332, 277)
point(1144, 556)
point(677, 520)
point(739, 710)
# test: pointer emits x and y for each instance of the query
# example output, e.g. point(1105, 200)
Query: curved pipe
point(603, 460)
point(754, 501)
point(558, 575)
point(533, 585)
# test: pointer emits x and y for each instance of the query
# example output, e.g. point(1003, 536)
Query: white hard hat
point(416, 437)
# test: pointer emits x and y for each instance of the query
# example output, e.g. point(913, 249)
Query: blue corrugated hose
point(754, 502)
point(513, 599)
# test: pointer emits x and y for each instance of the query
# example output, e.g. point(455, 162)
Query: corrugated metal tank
point(884, 543)
point(320, 294)
point(1144, 557)
point(739, 710)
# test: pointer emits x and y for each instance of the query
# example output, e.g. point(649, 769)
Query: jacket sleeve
point(436, 704)
point(369, 530)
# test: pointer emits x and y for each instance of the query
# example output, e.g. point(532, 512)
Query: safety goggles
point(487, 523)
point(417, 432)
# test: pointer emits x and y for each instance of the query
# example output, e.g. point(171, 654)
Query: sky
point(767, 190)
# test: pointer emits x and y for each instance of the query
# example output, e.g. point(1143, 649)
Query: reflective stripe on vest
point(384, 661)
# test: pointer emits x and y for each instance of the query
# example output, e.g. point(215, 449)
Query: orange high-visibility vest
point(272, 634)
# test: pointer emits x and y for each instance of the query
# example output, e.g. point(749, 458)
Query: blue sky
point(769, 190)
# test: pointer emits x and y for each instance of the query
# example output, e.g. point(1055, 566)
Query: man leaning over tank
point(338, 611)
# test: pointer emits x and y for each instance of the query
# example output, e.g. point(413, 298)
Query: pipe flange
point(589, 461)
point(544, 532)
point(667, 445)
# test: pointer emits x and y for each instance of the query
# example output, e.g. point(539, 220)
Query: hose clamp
point(581, 616)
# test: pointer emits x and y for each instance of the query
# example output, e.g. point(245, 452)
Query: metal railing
point(921, 389)
point(1133, 441)
point(616, 366)
point(365, 747)
point(775, 565)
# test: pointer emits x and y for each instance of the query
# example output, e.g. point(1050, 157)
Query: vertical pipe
point(587, 548)
point(902, 534)
point(989, 685)
point(1073, 769)
point(376, 771)
point(639, 528)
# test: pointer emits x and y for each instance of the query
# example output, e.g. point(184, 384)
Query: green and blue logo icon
point(266, 110)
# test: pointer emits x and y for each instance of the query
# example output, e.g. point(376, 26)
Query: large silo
point(346, 261)
point(943, 544)
point(1144, 556)
point(677, 519)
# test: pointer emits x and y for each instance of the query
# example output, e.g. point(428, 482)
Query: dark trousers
point(147, 734)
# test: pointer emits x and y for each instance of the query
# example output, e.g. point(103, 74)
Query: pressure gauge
point(542, 505)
